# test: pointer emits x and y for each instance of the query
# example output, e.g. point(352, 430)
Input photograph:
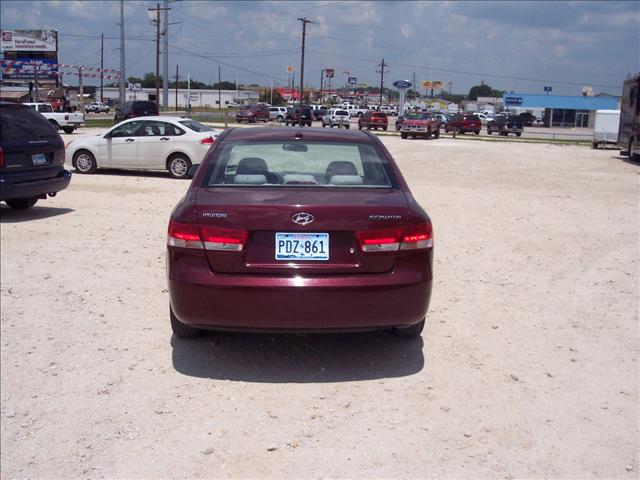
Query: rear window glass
point(471, 117)
point(20, 123)
point(298, 164)
point(380, 115)
point(196, 126)
point(342, 112)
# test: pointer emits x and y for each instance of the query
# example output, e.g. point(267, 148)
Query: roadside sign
point(352, 81)
point(329, 72)
point(290, 69)
point(135, 87)
point(193, 97)
point(427, 84)
point(402, 84)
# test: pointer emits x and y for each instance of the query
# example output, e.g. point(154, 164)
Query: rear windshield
point(380, 115)
point(471, 117)
point(341, 112)
point(195, 126)
point(20, 123)
point(309, 164)
point(145, 107)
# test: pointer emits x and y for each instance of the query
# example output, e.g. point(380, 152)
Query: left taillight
point(413, 237)
point(184, 235)
point(207, 141)
point(188, 235)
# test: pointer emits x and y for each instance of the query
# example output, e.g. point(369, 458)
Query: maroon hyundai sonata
point(298, 231)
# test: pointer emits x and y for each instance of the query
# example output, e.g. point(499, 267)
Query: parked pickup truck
point(68, 122)
point(420, 125)
point(353, 110)
point(97, 107)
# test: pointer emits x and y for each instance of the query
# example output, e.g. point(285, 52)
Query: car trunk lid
point(261, 213)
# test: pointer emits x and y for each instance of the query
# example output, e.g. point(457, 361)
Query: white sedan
point(144, 143)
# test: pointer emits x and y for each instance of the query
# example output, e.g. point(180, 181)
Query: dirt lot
point(528, 365)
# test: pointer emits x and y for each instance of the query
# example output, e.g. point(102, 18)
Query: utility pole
point(81, 102)
point(122, 73)
point(102, 67)
point(381, 72)
point(414, 86)
point(157, 10)
point(177, 79)
point(165, 57)
point(304, 33)
point(219, 93)
point(321, 82)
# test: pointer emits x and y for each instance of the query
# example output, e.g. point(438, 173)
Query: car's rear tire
point(403, 135)
point(518, 134)
point(384, 128)
point(84, 162)
point(436, 134)
point(477, 132)
point(68, 129)
point(22, 203)
point(178, 165)
point(280, 119)
point(359, 126)
point(182, 330)
point(634, 150)
point(411, 331)
point(324, 124)
point(347, 126)
point(488, 131)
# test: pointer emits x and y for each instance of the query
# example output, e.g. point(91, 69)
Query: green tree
point(483, 90)
point(265, 96)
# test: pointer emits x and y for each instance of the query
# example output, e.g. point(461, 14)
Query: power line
point(215, 60)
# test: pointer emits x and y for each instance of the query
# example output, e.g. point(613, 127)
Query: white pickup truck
point(68, 122)
point(354, 111)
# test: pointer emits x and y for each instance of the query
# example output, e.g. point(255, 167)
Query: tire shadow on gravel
point(282, 358)
point(11, 215)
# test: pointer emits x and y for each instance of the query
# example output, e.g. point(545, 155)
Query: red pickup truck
point(373, 120)
point(463, 122)
point(420, 125)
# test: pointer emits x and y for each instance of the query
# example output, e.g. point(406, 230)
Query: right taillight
point(413, 237)
point(189, 235)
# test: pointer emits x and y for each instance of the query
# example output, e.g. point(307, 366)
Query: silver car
point(336, 117)
point(277, 113)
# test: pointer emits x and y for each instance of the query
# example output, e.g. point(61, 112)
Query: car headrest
point(340, 167)
point(252, 166)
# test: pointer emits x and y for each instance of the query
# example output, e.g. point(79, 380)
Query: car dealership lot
point(527, 367)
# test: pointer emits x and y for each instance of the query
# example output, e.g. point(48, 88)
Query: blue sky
point(520, 46)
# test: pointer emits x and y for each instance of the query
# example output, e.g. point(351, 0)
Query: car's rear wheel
point(411, 331)
point(22, 203)
point(84, 162)
point(634, 150)
point(347, 126)
point(436, 134)
point(384, 128)
point(280, 119)
point(178, 165)
point(477, 132)
point(182, 330)
point(403, 135)
point(518, 134)
point(359, 126)
point(68, 129)
point(324, 124)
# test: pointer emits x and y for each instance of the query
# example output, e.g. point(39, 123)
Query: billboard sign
point(352, 81)
point(26, 68)
point(513, 100)
point(329, 72)
point(29, 41)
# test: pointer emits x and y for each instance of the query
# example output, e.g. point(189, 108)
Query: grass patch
point(98, 122)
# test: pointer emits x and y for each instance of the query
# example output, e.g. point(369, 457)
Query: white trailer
point(605, 129)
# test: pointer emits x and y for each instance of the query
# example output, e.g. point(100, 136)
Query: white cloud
point(406, 30)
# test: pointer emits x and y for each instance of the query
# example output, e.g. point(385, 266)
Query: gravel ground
point(528, 365)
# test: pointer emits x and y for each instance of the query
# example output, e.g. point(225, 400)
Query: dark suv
point(136, 108)
point(504, 125)
point(253, 113)
point(294, 117)
point(31, 157)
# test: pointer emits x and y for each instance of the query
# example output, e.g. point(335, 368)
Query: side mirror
point(192, 170)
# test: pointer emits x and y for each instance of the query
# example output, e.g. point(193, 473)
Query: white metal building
point(199, 98)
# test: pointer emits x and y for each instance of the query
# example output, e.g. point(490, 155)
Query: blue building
point(560, 110)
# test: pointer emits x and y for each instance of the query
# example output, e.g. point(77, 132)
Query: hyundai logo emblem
point(302, 218)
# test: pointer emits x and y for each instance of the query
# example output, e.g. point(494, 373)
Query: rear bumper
point(239, 302)
point(10, 189)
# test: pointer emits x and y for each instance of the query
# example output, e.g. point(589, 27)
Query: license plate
point(39, 159)
point(302, 246)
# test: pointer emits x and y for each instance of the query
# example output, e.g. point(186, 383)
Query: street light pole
point(304, 33)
